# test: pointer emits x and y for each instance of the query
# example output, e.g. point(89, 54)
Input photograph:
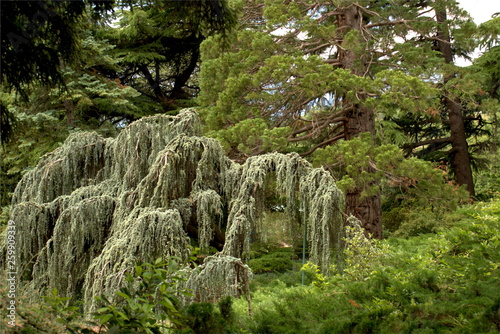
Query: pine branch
point(446, 140)
point(386, 23)
point(324, 143)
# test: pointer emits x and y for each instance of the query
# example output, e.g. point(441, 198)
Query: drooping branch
point(89, 211)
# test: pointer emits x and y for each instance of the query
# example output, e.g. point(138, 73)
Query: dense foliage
point(325, 125)
point(77, 65)
point(304, 75)
point(445, 282)
point(149, 193)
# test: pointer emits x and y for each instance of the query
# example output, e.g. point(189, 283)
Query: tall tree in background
point(157, 45)
point(55, 56)
point(319, 72)
point(489, 65)
point(460, 156)
point(448, 18)
point(37, 35)
point(309, 77)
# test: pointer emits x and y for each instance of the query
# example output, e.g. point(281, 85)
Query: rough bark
point(460, 159)
point(70, 111)
point(359, 120)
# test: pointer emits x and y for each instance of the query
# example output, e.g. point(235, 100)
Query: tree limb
point(428, 142)
point(385, 23)
point(325, 143)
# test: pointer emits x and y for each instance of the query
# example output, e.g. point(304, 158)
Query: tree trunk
point(69, 106)
point(182, 78)
point(359, 120)
point(367, 209)
point(460, 159)
point(154, 84)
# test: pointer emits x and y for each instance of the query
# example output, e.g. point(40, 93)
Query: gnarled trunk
point(360, 119)
point(460, 159)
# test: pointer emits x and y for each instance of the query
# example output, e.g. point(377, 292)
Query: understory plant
point(147, 303)
point(444, 282)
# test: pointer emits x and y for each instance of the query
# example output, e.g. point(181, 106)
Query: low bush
point(268, 259)
point(446, 282)
point(202, 318)
point(274, 262)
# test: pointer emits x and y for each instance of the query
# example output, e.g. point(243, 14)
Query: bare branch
point(333, 62)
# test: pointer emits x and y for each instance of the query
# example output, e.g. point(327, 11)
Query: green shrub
point(202, 318)
point(445, 282)
point(147, 303)
point(226, 308)
point(288, 278)
point(274, 262)
point(410, 222)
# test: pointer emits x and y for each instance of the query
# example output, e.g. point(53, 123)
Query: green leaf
point(138, 270)
point(105, 318)
point(122, 294)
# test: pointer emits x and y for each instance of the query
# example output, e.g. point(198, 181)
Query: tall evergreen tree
point(448, 34)
point(35, 37)
point(157, 45)
point(319, 72)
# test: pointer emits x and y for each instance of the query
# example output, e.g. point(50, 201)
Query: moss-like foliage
point(94, 207)
point(220, 275)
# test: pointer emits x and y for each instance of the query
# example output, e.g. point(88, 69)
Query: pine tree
point(321, 72)
point(157, 45)
point(314, 72)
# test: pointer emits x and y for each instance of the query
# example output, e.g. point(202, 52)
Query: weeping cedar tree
point(94, 207)
point(319, 72)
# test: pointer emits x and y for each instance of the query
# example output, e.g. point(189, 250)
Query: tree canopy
point(37, 35)
point(304, 75)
